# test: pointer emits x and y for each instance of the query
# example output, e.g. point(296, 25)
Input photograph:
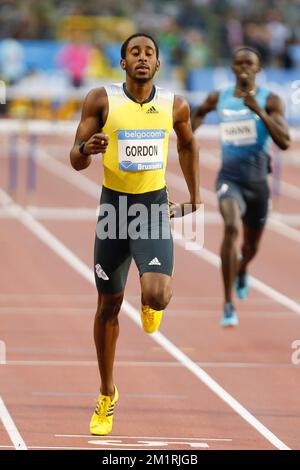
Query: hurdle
point(17, 139)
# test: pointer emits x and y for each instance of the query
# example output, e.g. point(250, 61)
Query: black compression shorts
point(252, 199)
point(131, 226)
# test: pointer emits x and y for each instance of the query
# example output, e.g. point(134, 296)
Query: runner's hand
point(251, 102)
point(96, 144)
point(179, 209)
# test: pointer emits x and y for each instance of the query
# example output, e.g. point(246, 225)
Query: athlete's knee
point(231, 216)
point(231, 229)
point(109, 306)
point(158, 296)
point(250, 249)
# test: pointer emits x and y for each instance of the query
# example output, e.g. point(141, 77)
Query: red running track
point(50, 382)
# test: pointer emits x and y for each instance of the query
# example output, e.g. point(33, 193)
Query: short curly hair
point(247, 48)
point(137, 35)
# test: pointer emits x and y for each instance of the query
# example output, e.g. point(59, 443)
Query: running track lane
point(207, 316)
point(174, 381)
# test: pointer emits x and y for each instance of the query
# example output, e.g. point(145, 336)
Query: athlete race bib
point(141, 149)
point(239, 132)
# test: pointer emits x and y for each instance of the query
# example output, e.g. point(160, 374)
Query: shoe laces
point(150, 315)
point(149, 312)
point(103, 406)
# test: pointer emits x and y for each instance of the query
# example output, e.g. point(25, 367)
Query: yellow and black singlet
point(136, 156)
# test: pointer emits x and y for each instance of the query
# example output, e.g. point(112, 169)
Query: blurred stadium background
point(53, 52)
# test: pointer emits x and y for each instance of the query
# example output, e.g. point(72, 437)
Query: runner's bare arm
point(208, 105)
point(187, 149)
point(273, 118)
point(278, 127)
point(93, 116)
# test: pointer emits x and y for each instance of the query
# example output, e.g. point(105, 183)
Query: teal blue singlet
point(245, 140)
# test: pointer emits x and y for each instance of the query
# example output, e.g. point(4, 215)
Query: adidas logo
point(151, 110)
point(100, 273)
point(154, 262)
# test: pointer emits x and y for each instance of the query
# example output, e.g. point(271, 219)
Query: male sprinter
point(250, 116)
point(130, 124)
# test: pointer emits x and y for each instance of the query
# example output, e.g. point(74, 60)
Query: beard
point(141, 79)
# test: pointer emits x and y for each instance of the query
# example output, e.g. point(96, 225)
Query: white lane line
point(46, 311)
point(63, 213)
point(209, 382)
point(52, 299)
point(256, 283)
point(72, 260)
point(11, 428)
point(51, 363)
point(128, 396)
point(90, 298)
point(89, 187)
point(6, 200)
point(177, 311)
point(283, 229)
point(211, 162)
point(210, 197)
point(290, 190)
point(195, 302)
point(67, 173)
point(90, 214)
point(150, 437)
point(230, 364)
point(76, 448)
point(214, 260)
point(65, 448)
point(98, 447)
point(46, 237)
point(146, 444)
point(80, 214)
point(289, 219)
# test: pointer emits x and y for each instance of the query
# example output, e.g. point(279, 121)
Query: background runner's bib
point(141, 149)
point(136, 156)
point(245, 140)
point(240, 132)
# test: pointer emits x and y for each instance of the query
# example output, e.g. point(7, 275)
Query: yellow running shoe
point(102, 419)
point(150, 318)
